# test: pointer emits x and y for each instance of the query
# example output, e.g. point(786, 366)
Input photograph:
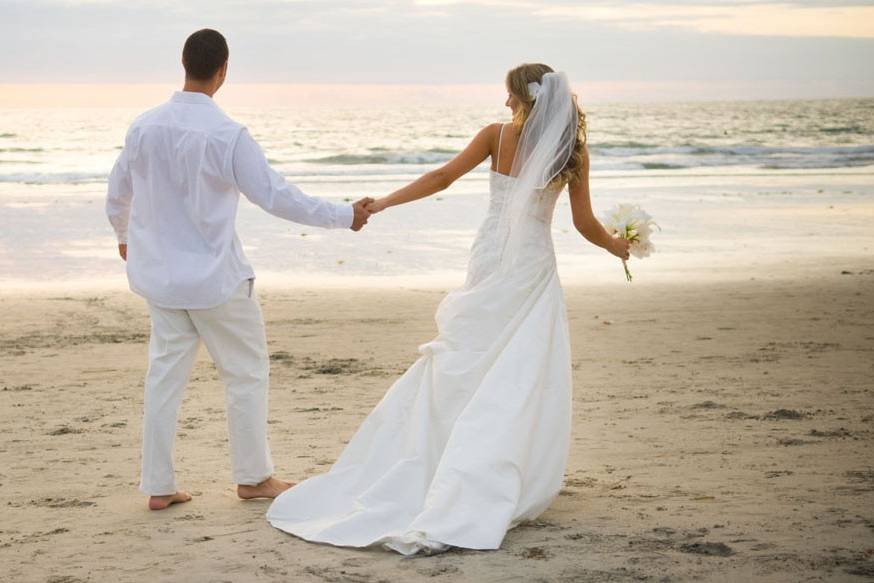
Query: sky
point(619, 50)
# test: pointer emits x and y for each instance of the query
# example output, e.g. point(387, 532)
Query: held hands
point(364, 208)
point(361, 214)
point(377, 205)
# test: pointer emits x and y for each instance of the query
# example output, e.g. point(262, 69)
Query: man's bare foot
point(269, 488)
point(162, 502)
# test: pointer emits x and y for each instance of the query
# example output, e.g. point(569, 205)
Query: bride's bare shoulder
point(491, 133)
point(487, 137)
point(492, 130)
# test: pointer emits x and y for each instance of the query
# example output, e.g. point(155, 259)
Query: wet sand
point(722, 431)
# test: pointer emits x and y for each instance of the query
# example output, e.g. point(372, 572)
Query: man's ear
point(220, 75)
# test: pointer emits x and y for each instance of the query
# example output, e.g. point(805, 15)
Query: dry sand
point(722, 431)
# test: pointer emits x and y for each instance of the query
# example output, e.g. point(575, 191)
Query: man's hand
point(377, 206)
point(361, 213)
point(122, 250)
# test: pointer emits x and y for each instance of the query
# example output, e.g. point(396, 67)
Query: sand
point(722, 431)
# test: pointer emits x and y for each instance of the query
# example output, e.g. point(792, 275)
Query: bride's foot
point(162, 502)
point(269, 488)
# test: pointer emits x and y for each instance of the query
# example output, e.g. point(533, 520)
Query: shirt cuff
point(345, 216)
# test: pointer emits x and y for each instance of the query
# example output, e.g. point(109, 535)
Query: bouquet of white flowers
point(629, 221)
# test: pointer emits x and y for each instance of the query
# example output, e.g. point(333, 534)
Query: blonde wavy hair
point(518, 79)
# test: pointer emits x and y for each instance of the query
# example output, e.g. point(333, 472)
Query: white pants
point(234, 336)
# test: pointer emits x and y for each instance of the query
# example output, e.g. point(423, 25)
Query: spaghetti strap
point(498, 159)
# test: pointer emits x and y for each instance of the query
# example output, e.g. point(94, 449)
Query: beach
point(723, 410)
point(721, 386)
point(722, 430)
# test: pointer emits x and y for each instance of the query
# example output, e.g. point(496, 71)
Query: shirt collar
point(192, 97)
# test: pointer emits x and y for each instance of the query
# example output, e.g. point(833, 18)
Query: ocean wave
point(618, 150)
point(378, 156)
point(54, 178)
point(854, 129)
point(22, 150)
point(743, 150)
point(767, 157)
point(629, 144)
point(800, 164)
point(376, 165)
point(661, 166)
point(626, 149)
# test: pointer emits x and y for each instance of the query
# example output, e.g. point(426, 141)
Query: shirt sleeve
point(118, 196)
point(265, 187)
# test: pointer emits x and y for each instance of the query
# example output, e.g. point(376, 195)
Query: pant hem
point(249, 482)
point(157, 491)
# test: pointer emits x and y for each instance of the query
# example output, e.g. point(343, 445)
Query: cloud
point(810, 18)
point(640, 45)
point(760, 19)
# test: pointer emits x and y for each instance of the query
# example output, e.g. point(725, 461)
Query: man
point(172, 200)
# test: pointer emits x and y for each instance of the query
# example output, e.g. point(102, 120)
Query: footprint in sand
point(439, 571)
point(65, 430)
point(787, 441)
point(64, 579)
point(778, 473)
point(19, 388)
point(840, 432)
point(708, 549)
point(61, 503)
point(534, 553)
point(707, 405)
point(740, 415)
point(780, 414)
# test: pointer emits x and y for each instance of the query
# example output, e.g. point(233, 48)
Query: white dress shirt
point(173, 195)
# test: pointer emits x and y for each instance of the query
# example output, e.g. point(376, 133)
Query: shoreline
point(698, 271)
point(712, 229)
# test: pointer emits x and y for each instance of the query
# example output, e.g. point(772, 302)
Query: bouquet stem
point(627, 273)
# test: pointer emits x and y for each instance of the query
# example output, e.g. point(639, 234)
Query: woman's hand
point(377, 205)
point(619, 247)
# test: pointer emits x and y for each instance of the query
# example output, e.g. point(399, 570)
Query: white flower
point(633, 223)
point(534, 89)
point(641, 250)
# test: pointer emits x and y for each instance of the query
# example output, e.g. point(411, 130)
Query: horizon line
point(34, 95)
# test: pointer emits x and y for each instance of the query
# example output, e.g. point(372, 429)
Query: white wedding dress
point(473, 438)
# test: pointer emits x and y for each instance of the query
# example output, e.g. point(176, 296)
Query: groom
point(172, 199)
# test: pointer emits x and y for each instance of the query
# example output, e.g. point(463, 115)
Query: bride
point(473, 438)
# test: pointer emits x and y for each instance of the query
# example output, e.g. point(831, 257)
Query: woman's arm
point(584, 219)
point(441, 178)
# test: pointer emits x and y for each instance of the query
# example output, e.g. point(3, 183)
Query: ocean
point(711, 173)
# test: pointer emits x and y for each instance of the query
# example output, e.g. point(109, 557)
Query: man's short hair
point(204, 54)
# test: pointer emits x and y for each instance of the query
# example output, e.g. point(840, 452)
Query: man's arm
point(265, 187)
point(118, 200)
